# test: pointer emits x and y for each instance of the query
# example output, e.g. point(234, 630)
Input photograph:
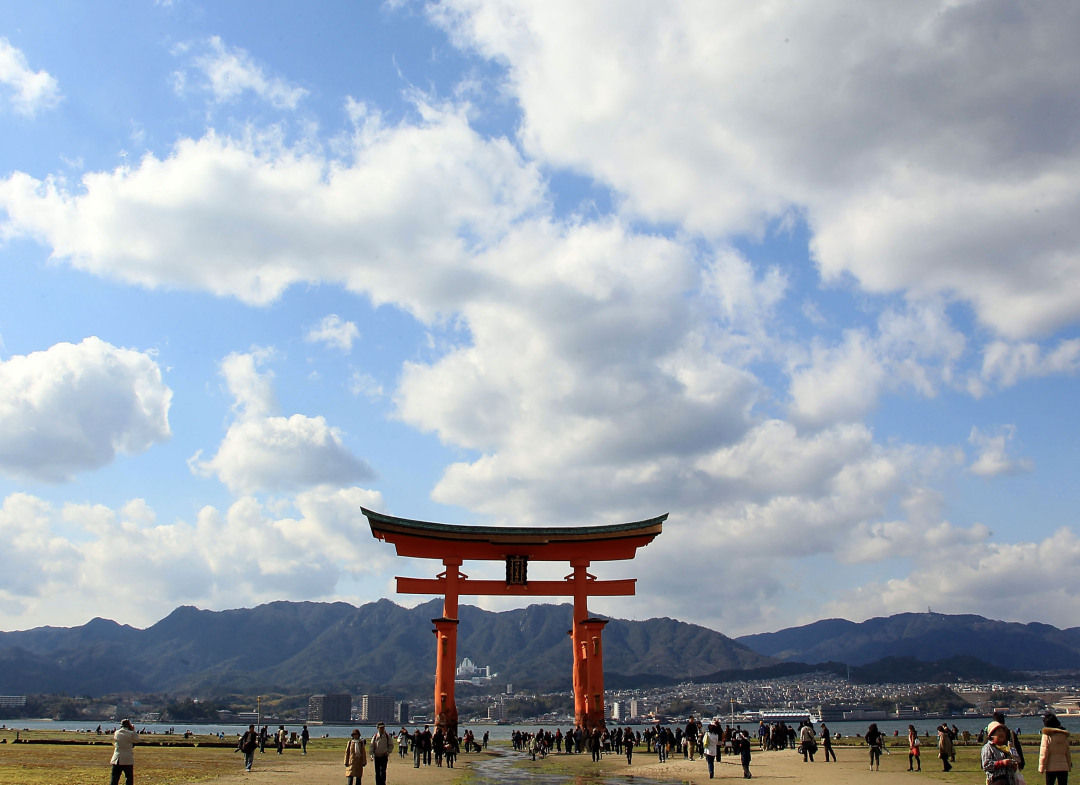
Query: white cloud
point(365, 384)
point(334, 331)
point(229, 72)
point(251, 387)
point(398, 221)
point(590, 360)
point(1005, 364)
point(283, 453)
point(30, 91)
point(34, 558)
point(74, 407)
point(841, 383)
point(993, 458)
point(63, 563)
point(970, 573)
point(914, 348)
point(262, 452)
point(928, 146)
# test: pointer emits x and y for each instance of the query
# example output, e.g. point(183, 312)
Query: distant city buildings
point(377, 708)
point(12, 701)
point(329, 708)
point(469, 672)
point(401, 713)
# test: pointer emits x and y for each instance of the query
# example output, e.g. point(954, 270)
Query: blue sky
point(804, 277)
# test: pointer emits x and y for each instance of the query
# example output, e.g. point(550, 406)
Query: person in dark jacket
point(247, 744)
point(741, 746)
point(826, 743)
point(876, 741)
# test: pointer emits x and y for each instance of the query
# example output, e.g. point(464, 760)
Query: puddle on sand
point(500, 769)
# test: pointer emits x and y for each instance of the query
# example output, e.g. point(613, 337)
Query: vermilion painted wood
point(578, 545)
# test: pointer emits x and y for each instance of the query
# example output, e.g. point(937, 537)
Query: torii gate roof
point(426, 540)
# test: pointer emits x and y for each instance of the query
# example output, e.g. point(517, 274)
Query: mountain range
point(295, 647)
point(925, 637)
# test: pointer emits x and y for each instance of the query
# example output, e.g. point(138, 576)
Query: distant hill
point(303, 646)
point(925, 637)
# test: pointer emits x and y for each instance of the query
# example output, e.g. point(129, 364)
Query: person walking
point(709, 741)
point(946, 750)
point(355, 759)
point(807, 741)
point(690, 735)
point(876, 740)
point(451, 750)
point(913, 749)
point(826, 743)
point(279, 739)
point(123, 757)
point(304, 736)
point(247, 744)
point(425, 745)
point(380, 752)
point(1055, 760)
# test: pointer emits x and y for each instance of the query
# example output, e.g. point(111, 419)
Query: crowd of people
point(692, 741)
point(1001, 756)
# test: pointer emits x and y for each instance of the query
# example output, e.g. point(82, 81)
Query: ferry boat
point(788, 715)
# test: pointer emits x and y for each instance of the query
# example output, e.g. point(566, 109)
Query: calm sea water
point(1026, 725)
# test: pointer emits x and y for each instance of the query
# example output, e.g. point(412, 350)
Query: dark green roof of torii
point(393, 529)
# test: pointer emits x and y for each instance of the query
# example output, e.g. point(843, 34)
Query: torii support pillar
point(446, 715)
point(592, 653)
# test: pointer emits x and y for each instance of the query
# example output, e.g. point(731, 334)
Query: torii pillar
point(516, 546)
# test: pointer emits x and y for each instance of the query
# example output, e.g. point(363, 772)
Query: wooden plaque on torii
point(517, 547)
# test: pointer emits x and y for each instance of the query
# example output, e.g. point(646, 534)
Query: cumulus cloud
point(229, 72)
point(64, 560)
point(334, 331)
point(398, 221)
point(993, 458)
point(1005, 364)
point(75, 407)
point(264, 452)
point(913, 348)
point(28, 91)
point(35, 557)
point(929, 147)
point(591, 362)
point(960, 572)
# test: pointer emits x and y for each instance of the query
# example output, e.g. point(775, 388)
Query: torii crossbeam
point(517, 546)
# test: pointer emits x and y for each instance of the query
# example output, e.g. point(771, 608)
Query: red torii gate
point(517, 546)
